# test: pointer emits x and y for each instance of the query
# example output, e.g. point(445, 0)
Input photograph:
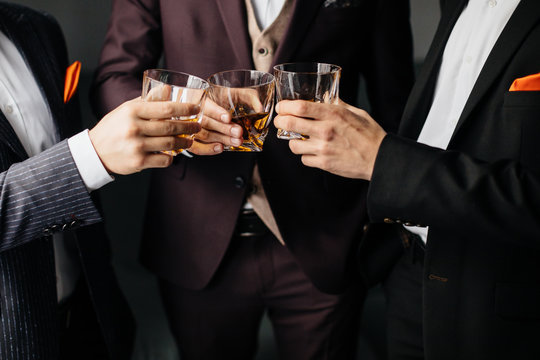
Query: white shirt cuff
point(92, 171)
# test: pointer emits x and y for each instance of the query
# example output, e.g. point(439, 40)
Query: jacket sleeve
point(42, 195)
point(455, 193)
point(132, 44)
point(389, 69)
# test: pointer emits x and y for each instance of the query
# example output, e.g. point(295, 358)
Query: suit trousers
point(403, 290)
point(259, 274)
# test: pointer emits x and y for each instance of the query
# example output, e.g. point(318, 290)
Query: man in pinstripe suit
point(58, 294)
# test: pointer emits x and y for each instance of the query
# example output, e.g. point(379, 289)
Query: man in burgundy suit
point(235, 235)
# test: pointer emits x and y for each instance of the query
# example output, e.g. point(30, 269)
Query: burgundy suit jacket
point(193, 205)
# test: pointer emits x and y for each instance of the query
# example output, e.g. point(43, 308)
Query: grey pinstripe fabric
point(35, 194)
point(40, 192)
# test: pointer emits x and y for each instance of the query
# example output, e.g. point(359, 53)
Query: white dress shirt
point(266, 11)
point(468, 47)
point(28, 113)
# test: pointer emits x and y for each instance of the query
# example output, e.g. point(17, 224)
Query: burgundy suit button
point(239, 182)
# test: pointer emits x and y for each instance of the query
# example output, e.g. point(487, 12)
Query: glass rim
point(270, 81)
point(174, 72)
point(334, 68)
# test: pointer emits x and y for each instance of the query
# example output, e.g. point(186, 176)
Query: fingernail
point(217, 148)
point(225, 117)
point(277, 107)
point(236, 142)
point(236, 131)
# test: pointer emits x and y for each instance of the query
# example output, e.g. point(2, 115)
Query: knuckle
point(302, 107)
point(170, 143)
point(287, 122)
point(132, 130)
point(324, 148)
point(138, 162)
point(205, 121)
point(169, 128)
point(132, 110)
point(137, 148)
point(363, 113)
point(203, 135)
point(168, 110)
point(327, 133)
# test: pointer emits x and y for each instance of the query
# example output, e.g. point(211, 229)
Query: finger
point(303, 108)
point(296, 124)
point(228, 129)
point(169, 127)
point(163, 109)
point(308, 147)
point(160, 92)
point(206, 136)
point(200, 148)
point(157, 160)
point(216, 112)
point(313, 161)
point(166, 143)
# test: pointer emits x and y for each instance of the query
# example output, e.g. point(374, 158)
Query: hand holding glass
point(249, 96)
point(315, 82)
point(167, 85)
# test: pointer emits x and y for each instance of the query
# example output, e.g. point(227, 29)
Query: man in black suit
point(462, 176)
point(59, 298)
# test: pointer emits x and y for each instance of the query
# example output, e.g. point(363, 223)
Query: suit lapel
point(303, 13)
point(8, 136)
point(25, 35)
point(421, 96)
point(526, 15)
point(233, 13)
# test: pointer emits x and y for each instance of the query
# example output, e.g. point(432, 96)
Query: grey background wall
point(84, 23)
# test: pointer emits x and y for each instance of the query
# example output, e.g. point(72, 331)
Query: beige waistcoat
point(264, 47)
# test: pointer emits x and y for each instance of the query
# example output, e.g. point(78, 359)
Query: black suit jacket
point(42, 195)
point(194, 204)
point(480, 199)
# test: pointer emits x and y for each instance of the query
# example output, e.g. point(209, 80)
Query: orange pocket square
point(72, 80)
point(527, 83)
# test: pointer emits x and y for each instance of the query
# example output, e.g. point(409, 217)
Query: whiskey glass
point(317, 82)
point(168, 85)
point(249, 96)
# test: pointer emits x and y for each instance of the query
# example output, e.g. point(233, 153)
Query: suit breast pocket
point(522, 108)
point(517, 301)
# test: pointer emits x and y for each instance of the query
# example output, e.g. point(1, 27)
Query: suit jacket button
point(75, 224)
point(388, 221)
point(239, 182)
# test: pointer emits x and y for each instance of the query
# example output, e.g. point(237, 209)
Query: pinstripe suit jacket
point(42, 195)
